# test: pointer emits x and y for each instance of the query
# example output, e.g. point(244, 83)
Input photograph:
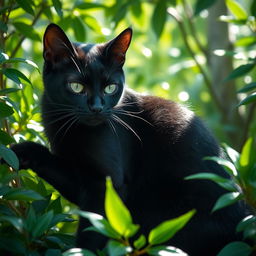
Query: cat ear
point(56, 44)
point(116, 48)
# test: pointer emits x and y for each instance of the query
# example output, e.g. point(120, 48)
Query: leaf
point(246, 41)
point(27, 30)
point(247, 100)
point(42, 224)
point(236, 249)
point(115, 248)
point(22, 194)
point(15, 75)
point(226, 199)
point(58, 7)
point(5, 110)
point(3, 26)
point(140, 242)
point(167, 229)
point(248, 87)
point(87, 6)
point(8, 90)
point(102, 226)
point(253, 8)
point(236, 9)
point(165, 251)
point(56, 205)
point(5, 138)
point(240, 71)
point(79, 29)
point(21, 60)
point(30, 220)
point(26, 5)
point(9, 156)
point(15, 221)
point(78, 251)
point(117, 214)
point(247, 153)
point(60, 218)
point(159, 17)
point(53, 252)
point(245, 223)
point(202, 5)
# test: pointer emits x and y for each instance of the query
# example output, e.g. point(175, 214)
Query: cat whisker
point(73, 122)
point(60, 118)
point(124, 124)
point(112, 127)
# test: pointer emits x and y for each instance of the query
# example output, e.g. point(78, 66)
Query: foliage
point(169, 57)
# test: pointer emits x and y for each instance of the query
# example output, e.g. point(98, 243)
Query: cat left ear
point(116, 48)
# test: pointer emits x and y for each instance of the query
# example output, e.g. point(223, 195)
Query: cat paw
point(30, 154)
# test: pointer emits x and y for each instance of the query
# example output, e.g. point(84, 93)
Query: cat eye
point(110, 89)
point(76, 87)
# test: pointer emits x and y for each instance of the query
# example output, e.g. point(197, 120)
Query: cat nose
point(96, 105)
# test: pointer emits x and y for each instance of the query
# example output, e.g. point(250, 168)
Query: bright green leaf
point(8, 90)
point(15, 75)
point(246, 155)
point(246, 41)
point(118, 215)
point(80, 32)
point(159, 17)
point(167, 229)
point(140, 242)
point(236, 249)
point(9, 156)
point(226, 199)
point(236, 9)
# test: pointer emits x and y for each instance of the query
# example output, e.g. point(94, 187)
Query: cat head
point(86, 79)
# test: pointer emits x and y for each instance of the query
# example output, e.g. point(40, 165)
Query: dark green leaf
point(53, 252)
point(240, 71)
point(30, 220)
point(40, 206)
point(79, 29)
point(58, 7)
point(5, 138)
point(56, 205)
point(27, 30)
point(159, 17)
point(89, 6)
point(8, 90)
point(15, 221)
point(78, 251)
point(3, 57)
point(5, 110)
point(167, 229)
point(61, 217)
point(116, 248)
point(9, 156)
point(3, 26)
point(43, 223)
point(22, 194)
point(236, 9)
point(245, 223)
point(140, 242)
point(248, 87)
point(15, 75)
point(117, 214)
point(236, 249)
point(247, 100)
point(66, 239)
point(120, 14)
point(226, 199)
point(13, 244)
point(26, 5)
point(202, 5)
point(253, 8)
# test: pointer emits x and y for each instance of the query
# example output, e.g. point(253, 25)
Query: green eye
point(76, 87)
point(110, 89)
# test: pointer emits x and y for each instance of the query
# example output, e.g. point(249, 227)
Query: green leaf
point(226, 199)
point(236, 249)
point(253, 8)
point(247, 153)
point(22, 194)
point(43, 223)
point(21, 60)
point(5, 138)
point(30, 220)
point(246, 41)
point(232, 154)
point(249, 221)
point(86, 6)
point(5, 110)
point(53, 252)
point(58, 7)
point(78, 251)
point(92, 23)
point(248, 87)
point(115, 248)
point(26, 5)
point(229, 167)
point(9, 156)
point(202, 5)
point(140, 242)
point(79, 30)
point(15, 221)
point(118, 215)
point(3, 26)
point(60, 218)
point(240, 71)
point(236, 9)
point(27, 30)
point(101, 224)
point(3, 57)
point(56, 205)
point(8, 90)
point(159, 17)
point(247, 100)
point(165, 250)
point(15, 75)
point(167, 229)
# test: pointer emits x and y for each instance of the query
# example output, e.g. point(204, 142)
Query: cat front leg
point(58, 172)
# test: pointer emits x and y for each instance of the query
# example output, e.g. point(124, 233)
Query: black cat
point(97, 128)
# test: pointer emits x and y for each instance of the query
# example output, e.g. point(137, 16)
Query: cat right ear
point(56, 44)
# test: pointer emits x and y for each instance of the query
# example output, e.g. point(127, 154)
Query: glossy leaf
point(42, 224)
point(140, 242)
point(78, 251)
point(165, 250)
point(247, 100)
point(232, 154)
point(236, 9)
point(115, 248)
point(118, 215)
point(8, 90)
point(167, 229)
point(15, 75)
point(246, 222)
point(159, 17)
point(248, 87)
point(9, 156)
point(22, 194)
point(226, 199)
point(236, 249)
point(240, 71)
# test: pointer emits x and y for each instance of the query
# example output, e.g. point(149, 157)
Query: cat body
point(146, 144)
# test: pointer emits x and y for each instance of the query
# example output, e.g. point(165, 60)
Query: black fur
point(147, 154)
